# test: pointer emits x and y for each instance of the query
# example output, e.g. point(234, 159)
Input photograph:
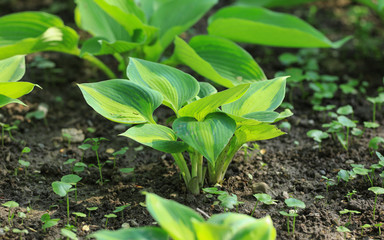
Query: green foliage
point(261, 26)
point(214, 126)
point(180, 222)
point(12, 70)
point(48, 222)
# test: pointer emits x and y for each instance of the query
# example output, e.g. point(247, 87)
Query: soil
point(291, 165)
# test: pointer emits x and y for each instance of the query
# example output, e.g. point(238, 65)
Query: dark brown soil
point(290, 165)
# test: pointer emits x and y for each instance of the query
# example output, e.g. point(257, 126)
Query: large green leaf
point(176, 86)
point(99, 46)
point(156, 136)
point(61, 188)
point(12, 69)
point(262, 26)
point(4, 100)
point(15, 89)
point(174, 218)
point(261, 96)
point(29, 32)
point(143, 233)
point(200, 108)
point(243, 227)
point(271, 3)
point(208, 137)
point(263, 131)
point(122, 101)
point(172, 17)
point(219, 60)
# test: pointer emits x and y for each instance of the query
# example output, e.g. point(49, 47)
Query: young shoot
point(374, 143)
point(350, 212)
point(10, 205)
point(78, 214)
point(116, 155)
point(121, 209)
point(377, 100)
point(378, 225)
point(264, 198)
point(363, 172)
point(376, 191)
point(108, 216)
point(84, 147)
point(73, 180)
point(23, 163)
point(350, 194)
point(95, 147)
point(21, 232)
point(365, 226)
point(317, 135)
point(68, 137)
point(328, 182)
point(348, 124)
point(344, 230)
point(62, 189)
point(343, 175)
point(293, 203)
point(22, 216)
point(90, 209)
point(48, 222)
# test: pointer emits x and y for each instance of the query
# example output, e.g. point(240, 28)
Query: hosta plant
point(182, 223)
point(208, 124)
point(11, 71)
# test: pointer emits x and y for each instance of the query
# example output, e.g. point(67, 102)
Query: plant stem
point(253, 211)
point(374, 208)
point(374, 112)
point(94, 60)
point(182, 165)
point(346, 140)
point(293, 225)
point(2, 135)
point(288, 224)
point(99, 165)
point(67, 208)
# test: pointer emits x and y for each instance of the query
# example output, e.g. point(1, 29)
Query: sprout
point(377, 191)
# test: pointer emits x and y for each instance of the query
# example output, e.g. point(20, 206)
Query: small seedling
point(374, 143)
point(22, 162)
point(344, 175)
point(264, 198)
point(78, 214)
point(68, 137)
point(348, 123)
point(344, 230)
point(121, 209)
point(84, 147)
point(350, 194)
point(328, 182)
point(70, 161)
point(227, 201)
point(319, 197)
point(363, 172)
point(90, 209)
point(22, 216)
point(79, 167)
point(246, 147)
point(295, 203)
point(317, 135)
point(365, 226)
point(108, 216)
point(116, 155)
point(95, 147)
point(377, 100)
point(378, 225)
point(377, 191)
point(21, 232)
point(8, 128)
point(345, 110)
point(73, 180)
point(62, 189)
point(10, 205)
point(347, 211)
point(68, 234)
point(48, 222)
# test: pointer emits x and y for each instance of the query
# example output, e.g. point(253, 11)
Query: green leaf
point(374, 142)
point(200, 108)
point(263, 131)
point(172, 18)
point(61, 188)
point(271, 3)
point(122, 101)
point(317, 135)
point(12, 69)
point(156, 136)
point(142, 233)
point(377, 190)
point(176, 86)
point(29, 32)
point(295, 203)
point(174, 218)
point(4, 100)
point(219, 60)
point(208, 137)
point(345, 110)
point(261, 96)
point(68, 233)
point(15, 89)
point(346, 122)
point(206, 89)
point(71, 179)
point(99, 46)
point(10, 204)
point(261, 26)
point(241, 226)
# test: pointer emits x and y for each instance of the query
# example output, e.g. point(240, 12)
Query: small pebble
point(285, 195)
point(350, 161)
point(120, 127)
point(322, 172)
point(260, 187)
point(41, 145)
